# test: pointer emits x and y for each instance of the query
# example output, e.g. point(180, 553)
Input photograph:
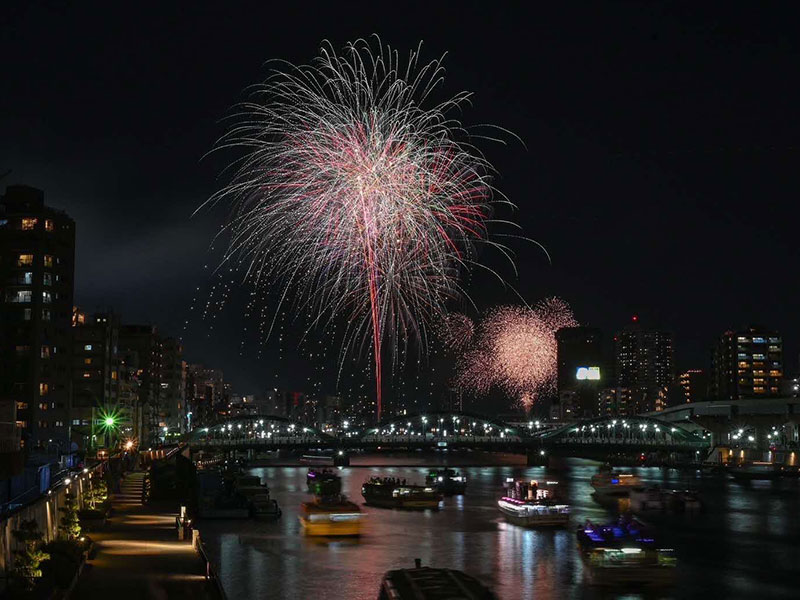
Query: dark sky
point(661, 169)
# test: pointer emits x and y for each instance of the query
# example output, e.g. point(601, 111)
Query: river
point(745, 544)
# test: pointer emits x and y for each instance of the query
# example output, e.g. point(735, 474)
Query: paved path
point(139, 556)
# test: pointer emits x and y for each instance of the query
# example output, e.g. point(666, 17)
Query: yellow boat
point(331, 517)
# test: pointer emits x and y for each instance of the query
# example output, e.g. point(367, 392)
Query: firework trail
point(515, 350)
point(354, 197)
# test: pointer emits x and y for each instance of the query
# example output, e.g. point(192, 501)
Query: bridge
point(433, 430)
point(752, 422)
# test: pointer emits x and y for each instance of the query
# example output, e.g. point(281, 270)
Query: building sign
point(588, 373)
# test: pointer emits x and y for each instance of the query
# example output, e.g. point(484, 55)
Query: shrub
point(69, 527)
point(27, 561)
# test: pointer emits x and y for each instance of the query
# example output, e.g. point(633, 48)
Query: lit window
point(22, 405)
point(45, 314)
point(44, 389)
point(47, 297)
point(59, 423)
point(759, 340)
point(25, 278)
point(87, 375)
point(48, 225)
point(42, 405)
point(76, 421)
point(25, 260)
point(47, 279)
point(28, 314)
point(21, 296)
point(114, 375)
point(23, 350)
point(87, 361)
point(45, 352)
point(28, 223)
point(87, 347)
point(48, 261)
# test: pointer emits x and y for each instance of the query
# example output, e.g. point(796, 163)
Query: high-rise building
point(95, 374)
point(643, 363)
point(205, 394)
point(37, 262)
point(694, 385)
point(141, 346)
point(747, 364)
point(172, 399)
point(615, 402)
point(581, 370)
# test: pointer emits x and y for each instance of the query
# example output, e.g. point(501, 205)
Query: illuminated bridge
point(590, 439)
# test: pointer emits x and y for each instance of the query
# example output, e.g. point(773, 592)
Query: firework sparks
point(515, 350)
point(455, 330)
point(355, 197)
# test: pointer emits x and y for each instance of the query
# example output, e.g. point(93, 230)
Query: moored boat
point(755, 470)
point(425, 583)
point(624, 553)
point(447, 481)
point(529, 504)
point(389, 492)
point(613, 483)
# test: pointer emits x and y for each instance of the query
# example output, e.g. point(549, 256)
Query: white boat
point(614, 483)
point(530, 504)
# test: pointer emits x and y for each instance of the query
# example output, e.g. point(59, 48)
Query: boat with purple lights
point(531, 504)
point(624, 552)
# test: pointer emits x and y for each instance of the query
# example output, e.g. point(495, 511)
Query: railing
point(211, 573)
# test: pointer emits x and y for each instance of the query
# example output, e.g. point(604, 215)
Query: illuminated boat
point(447, 481)
point(612, 483)
point(323, 482)
point(389, 493)
point(330, 516)
point(529, 504)
point(623, 553)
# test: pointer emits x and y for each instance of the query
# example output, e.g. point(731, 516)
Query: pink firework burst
point(516, 351)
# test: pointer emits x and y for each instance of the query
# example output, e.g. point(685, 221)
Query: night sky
point(660, 166)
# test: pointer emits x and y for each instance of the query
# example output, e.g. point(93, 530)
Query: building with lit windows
point(747, 364)
point(95, 372)
point(37, 262)
point(615, 402)
point(694, 385)
point(581, 371)
point(643, 363)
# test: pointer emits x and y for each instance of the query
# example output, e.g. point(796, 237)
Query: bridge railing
point(299, 440)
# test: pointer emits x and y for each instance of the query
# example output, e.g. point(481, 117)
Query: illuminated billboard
point(588, 373)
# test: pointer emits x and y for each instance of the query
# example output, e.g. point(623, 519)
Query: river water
point(746, 544)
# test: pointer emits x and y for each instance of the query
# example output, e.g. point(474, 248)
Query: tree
point(27, 560)
point(69, 528)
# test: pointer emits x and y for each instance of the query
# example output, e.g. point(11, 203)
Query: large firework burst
point(355, 196)
point(515, 350)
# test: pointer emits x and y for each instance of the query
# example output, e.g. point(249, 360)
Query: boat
point(256, 494)
point(754, 470)
point(683, 501)
point(388, 492)
point(330, 513)
point(447, 481)
point(624, 553)
point(529, 504)
point(323, 482)
point(613, 483)
point(647, 498)
point(426, 583)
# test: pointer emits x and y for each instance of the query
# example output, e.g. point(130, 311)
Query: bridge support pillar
point(537, 457)
point(341, 459)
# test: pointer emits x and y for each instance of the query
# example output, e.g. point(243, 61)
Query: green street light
point(109, 421)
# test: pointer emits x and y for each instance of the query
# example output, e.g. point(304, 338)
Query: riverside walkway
point(138, 554)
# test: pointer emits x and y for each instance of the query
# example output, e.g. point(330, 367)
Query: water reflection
point(743, 545)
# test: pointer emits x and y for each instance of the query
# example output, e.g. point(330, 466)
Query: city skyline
point(640, 175)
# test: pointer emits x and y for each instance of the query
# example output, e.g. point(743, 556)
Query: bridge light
point(541, 452)
point(751, 438)
point(673, 430)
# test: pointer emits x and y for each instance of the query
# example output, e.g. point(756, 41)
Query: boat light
point(631, 550)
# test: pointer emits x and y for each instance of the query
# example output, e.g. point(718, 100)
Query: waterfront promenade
point(139, 556)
